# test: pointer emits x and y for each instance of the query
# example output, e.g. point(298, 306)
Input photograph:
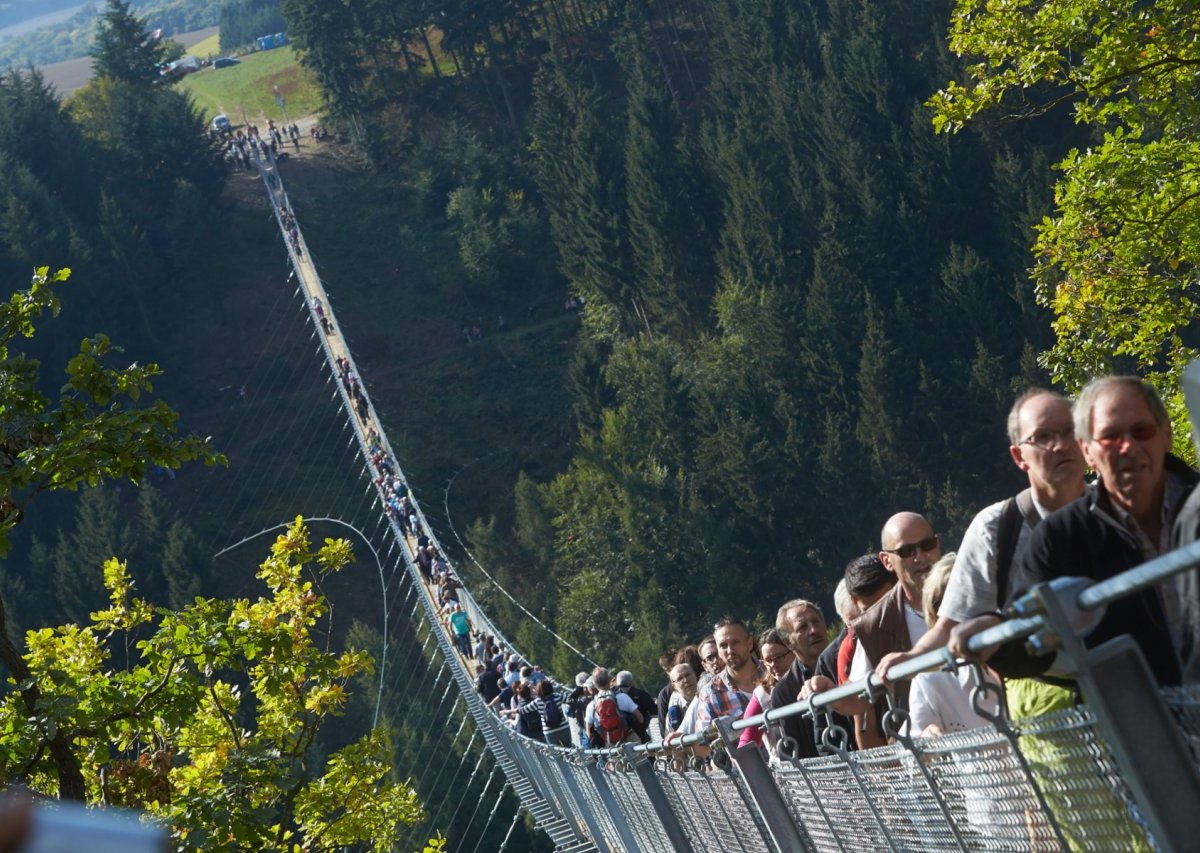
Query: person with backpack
point(644, 701)
point(554, 722)
point(1042, 443)
point(610, 716)
point(577, 703)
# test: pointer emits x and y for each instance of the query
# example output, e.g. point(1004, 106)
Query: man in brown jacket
point(895, 622)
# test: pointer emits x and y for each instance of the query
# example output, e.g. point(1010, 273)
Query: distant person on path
point(319, 310)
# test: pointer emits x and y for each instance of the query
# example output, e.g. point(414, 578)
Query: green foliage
point(100, 428)
point(435, 845)
point(804, 310)
point(488, 229)
point(212, 727)
point(1117, 259)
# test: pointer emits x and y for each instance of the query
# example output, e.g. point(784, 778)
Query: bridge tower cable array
point(1119, 772)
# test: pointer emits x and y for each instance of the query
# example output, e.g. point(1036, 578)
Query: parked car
point(221, 124)
point(226, 62)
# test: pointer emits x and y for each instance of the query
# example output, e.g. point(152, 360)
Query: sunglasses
point(1141, 432)
point(906, 551)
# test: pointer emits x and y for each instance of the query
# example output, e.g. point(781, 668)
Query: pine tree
point(878, 428)
point(580, 175)
point(124, 50)
point(97, 534)
point(181, 565)
point(663, 224)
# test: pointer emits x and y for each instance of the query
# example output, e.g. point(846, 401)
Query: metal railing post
point(620, 823)
point(1138, 728)
point(657, 797)
point(585, 821)
point(786, 835)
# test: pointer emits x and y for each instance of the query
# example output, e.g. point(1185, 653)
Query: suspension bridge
point(1119, 772)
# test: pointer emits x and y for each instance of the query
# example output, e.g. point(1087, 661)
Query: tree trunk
point(508, 103)
point(433, 63)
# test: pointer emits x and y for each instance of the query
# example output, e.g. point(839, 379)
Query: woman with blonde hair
point(940, 702)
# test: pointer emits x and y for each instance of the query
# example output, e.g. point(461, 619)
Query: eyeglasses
point(710, 658)
point(1141, 432)
point(906, 551)
point(1045, 439)
point(777, 658)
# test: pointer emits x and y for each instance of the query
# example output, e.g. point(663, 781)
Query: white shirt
point(862, 665)
point(688, 726)
point(972, 587)
point(944, 698)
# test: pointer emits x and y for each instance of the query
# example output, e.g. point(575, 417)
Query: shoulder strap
point(1029, 512)
point(1017, 512)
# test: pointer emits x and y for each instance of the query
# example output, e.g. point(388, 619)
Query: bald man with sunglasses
point(894, 623)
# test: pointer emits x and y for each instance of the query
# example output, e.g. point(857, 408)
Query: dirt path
point(316, 170)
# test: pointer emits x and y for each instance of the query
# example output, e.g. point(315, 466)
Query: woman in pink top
point(778, 657)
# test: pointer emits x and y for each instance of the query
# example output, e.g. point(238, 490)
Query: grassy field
point(211, 46)
point(250, 88)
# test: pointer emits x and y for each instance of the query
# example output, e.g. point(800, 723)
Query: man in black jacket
point(1122, 520)
point(804, 625)
point(487, 682)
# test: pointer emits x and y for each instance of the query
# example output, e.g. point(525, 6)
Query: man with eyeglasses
point(1121, 521)
point(683, 691)
point(892, 624)
point(710, 659)
point(1041, 434)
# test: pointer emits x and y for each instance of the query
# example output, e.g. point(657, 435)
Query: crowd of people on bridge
point(909, 597)
point(240, 147)
point(913, 595)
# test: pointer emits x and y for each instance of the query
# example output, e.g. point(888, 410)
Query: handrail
point(1101, 594)
point(1140, 577)
point(1028, 622)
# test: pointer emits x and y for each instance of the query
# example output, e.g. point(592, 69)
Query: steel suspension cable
point(488, 823)
point(482, 796)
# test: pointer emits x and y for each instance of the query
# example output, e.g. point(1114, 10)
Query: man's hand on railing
point(819, 684)
point(890, 660)
point(934, 638)
point(965, 631)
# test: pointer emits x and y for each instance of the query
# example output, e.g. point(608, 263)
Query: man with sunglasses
point(1122, 520)
point(1041, 434)
point(894, 623)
